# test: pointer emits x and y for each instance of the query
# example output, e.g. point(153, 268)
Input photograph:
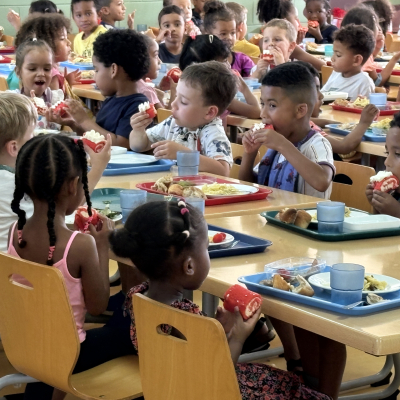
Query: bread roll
point(303, 219)
point(279, 283)
point(176, 190)
point(192, 191)
point(287, 215)
point(304, 287)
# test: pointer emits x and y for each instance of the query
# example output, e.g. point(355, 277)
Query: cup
point(329, 228)
point(379, 99)
point(129, 200)
point(196, 202)
point(309, 40)
point(347, 282)
point(141, 27)
point(188, 162)
point(330, 211)
point(163, 67)
point(329, 50)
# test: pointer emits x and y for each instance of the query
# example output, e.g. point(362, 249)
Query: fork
point(350, 306)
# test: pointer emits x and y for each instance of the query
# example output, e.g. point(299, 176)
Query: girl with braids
point(168, 242)
point(52, 171)
point(284, 9)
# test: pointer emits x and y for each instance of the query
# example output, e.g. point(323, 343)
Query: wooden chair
point(162, 114)
point(380, 90)
point(392, 43)
point(326, 72)
point(40, 339)
point(352, 195)
point(197, 368)
point(8, 39)
point(3, 84)
point(237, 154)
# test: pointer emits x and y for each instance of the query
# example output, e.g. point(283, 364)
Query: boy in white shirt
point(203, 93)
point(352, 47)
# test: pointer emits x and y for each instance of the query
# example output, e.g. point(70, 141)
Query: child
point(279, 38)
point(197, 12)
point(384, 11)
point(172, 28)
point(116, 75)
point(220, 21)
point(203, 93)
point(84, 13)
point(168, 243)
point(209, 48)
point(111, 11)
point(352, 46)
point(388, 203)
point(81, 258)
point(319, 11)
point(299, 159)
point(242, 45)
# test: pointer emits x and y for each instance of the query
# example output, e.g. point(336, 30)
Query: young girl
point(319, 11)
point(52, 171)
point(388, 203)
point(384, 10)
point(208, 48)
point(168, 243)
point(220, 21)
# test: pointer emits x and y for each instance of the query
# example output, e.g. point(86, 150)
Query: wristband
point(378, 79)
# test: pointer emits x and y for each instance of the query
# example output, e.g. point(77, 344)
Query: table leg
point(383, 393)
point(258, 355)
point(365, 159)
point(210, 304)
point(234, 132)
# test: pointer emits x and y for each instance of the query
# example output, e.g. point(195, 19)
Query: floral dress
point(256, 381)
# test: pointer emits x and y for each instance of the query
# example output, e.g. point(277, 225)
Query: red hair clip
point(184, 211)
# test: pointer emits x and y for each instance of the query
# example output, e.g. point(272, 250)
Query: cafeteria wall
point(145, 12)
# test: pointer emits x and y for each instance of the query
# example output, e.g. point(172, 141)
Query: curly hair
point(44, 164)
point(126, 48)
point(155, 234)
point(325, 3)
point(295, 80)
point(358, 39)
point(45, 27)
point(215, 11)
point(270, 9)
point(361, 15)
point(170, 9)
point(384, 10)
point(203, 48)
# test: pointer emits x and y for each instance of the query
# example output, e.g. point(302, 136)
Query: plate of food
point(315, 48)
point(132, 159)
point(106, 211)
point(377, 283)
point(117, 150)
point(216, 189)
point(361, 102)
point(382, 127)
point(42, 131)
point(219, 239)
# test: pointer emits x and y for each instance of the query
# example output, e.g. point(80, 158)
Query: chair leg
point(15, 379)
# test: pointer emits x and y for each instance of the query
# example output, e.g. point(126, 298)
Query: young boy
point(299, 159)
point(172, 29)
point(111, 11)
point(203, 93)
point(18, 118)
point(352, 46)
point(242, 45)
point(84, 13)
point(279, 39)
point(116, 75)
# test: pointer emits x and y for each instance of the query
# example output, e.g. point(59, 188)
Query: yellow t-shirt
point(84, 47)
point(243, 46)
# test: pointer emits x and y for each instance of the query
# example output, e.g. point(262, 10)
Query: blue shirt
point(166, 56)
point(116, 112)
point(327, 34)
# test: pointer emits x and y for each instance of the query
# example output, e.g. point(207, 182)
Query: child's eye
point(262, 104)
point(271, 105)
point(386, 153)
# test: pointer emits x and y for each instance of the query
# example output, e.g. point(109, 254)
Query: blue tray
point(368, 136)
point(247, 245)
point(83, 66)
point(6, 68)
point(160, 165)
point(321, 298)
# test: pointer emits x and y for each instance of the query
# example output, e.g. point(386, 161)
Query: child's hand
point(72, 77)
point(242, 329)
point(300, 36)
point(396, 56)
point(248, 143)
point(279, 58)
point(14, 20)
point(131, 19)
point(167, 149)
point(76, 111)
point(140, 121)
point(160, 94)
point(226, 319)
point(162, 35)
point(369, 191)
point(101, 235)
point(242, 87)
point(316, 32)
point(54, 116)
point(368, 114)
point(268, 138)
point(384, 203)
point(172, 88)
point(100, 160)
point(262, 66)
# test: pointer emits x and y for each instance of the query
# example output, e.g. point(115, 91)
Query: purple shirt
point(242, 63)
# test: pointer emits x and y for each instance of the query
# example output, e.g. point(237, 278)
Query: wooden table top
point(277, 200)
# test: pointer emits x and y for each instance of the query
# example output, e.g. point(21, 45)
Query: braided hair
point(270, 9)
point(44, 164)
point(155, 234)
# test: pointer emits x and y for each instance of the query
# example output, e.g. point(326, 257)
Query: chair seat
point(118, 379)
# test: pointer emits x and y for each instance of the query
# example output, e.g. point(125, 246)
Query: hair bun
point(213, 6)
point(123, 244)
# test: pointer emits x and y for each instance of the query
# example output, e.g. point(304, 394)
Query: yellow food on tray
point(216, 189)
point(82, 60)
point(383, 124)
point(87, 74)
point(360, 102)
point(370, 283)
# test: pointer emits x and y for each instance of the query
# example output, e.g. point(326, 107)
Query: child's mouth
point(40, 83)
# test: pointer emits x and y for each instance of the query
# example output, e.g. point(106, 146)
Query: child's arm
point(249, 110)
point(353, 139)
point(138, 140)
point(316, 175)
point(384, 203)
point(131, 19)
point(387, 71)
point(54, 84)
point(316, 33)
point(249, 155)
point(301, 55)
point(321, 122)
point(262, 68)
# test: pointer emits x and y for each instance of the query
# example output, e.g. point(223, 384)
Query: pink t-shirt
point(148, 91)
point(370, 65)
point(60, 77)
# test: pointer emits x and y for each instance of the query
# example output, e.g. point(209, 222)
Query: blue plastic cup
point(188, 171)
point(345, 297)
point(326, 228)
point(347, 276)
point(329, 50)
point(196, 202)
point(131, 199)
point(142, 27)
point(379, 99)
point(330, 211)
point(188, 162)
point(163, 68)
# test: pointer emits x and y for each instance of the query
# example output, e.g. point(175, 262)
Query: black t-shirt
point(166, 56)
point(327, 35)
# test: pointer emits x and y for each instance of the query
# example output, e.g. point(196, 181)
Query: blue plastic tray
point(321, 298)
point(160, 165)
point(70, 65)
point(247, 244)
point(369, 136)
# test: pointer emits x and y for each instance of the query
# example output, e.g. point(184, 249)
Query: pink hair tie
point(184, 211)
point(51, 251)
point(19, 233)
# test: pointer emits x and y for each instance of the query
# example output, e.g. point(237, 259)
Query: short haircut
point(285, 25)
point(43, 7)
point(215, 11)
point(45, 27)
point(310, 68)
point(384, 10)
point(148, 41)
point(358, 39)
point(24, 48)
point(325, 3)
point(395, 122)
point(239, 11)
point(361, 15)
point(166, 3)
point(201, 49)
point(270, 9)
point(170, 10)
point(17, 112)
point(125, 48)
point(215, 80)
point(95, 4)
point(102, 3)
point(295, 80)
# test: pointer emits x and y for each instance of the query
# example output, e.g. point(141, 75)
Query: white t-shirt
point(360, 84)
point(7, 216)
point(213, 140)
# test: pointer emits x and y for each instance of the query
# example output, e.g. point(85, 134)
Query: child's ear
point(17, 71)
point(212, 113)
point(73, 186)
point(358, 59)
point(292, 46)
point(114, 70)
point(188, 266)
point(12, 148)
point(103, 11)
point(301, 110)
point(239, 28)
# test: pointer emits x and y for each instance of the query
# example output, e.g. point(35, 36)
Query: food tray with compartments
point(312, 230)
point(6, 68)
point(5, 60)
point(369, 136)
point(160, 165)
point(358, 110)
point(81, 66)
point(394, 72)
point(86, 81)
point(321, 298)
point(7, 50)
point(247, 244)
point(205, 179)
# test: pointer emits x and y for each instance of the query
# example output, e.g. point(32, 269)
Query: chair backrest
point(255, 59)
point(163, 114)
point(392, 43)
point(37, 327)
point(380, 90)
point(197, 368)
point(3, 84)
point(326, 72)
point(71, 38)
point(237, 154)
point(352, 195)
point(8, 39)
